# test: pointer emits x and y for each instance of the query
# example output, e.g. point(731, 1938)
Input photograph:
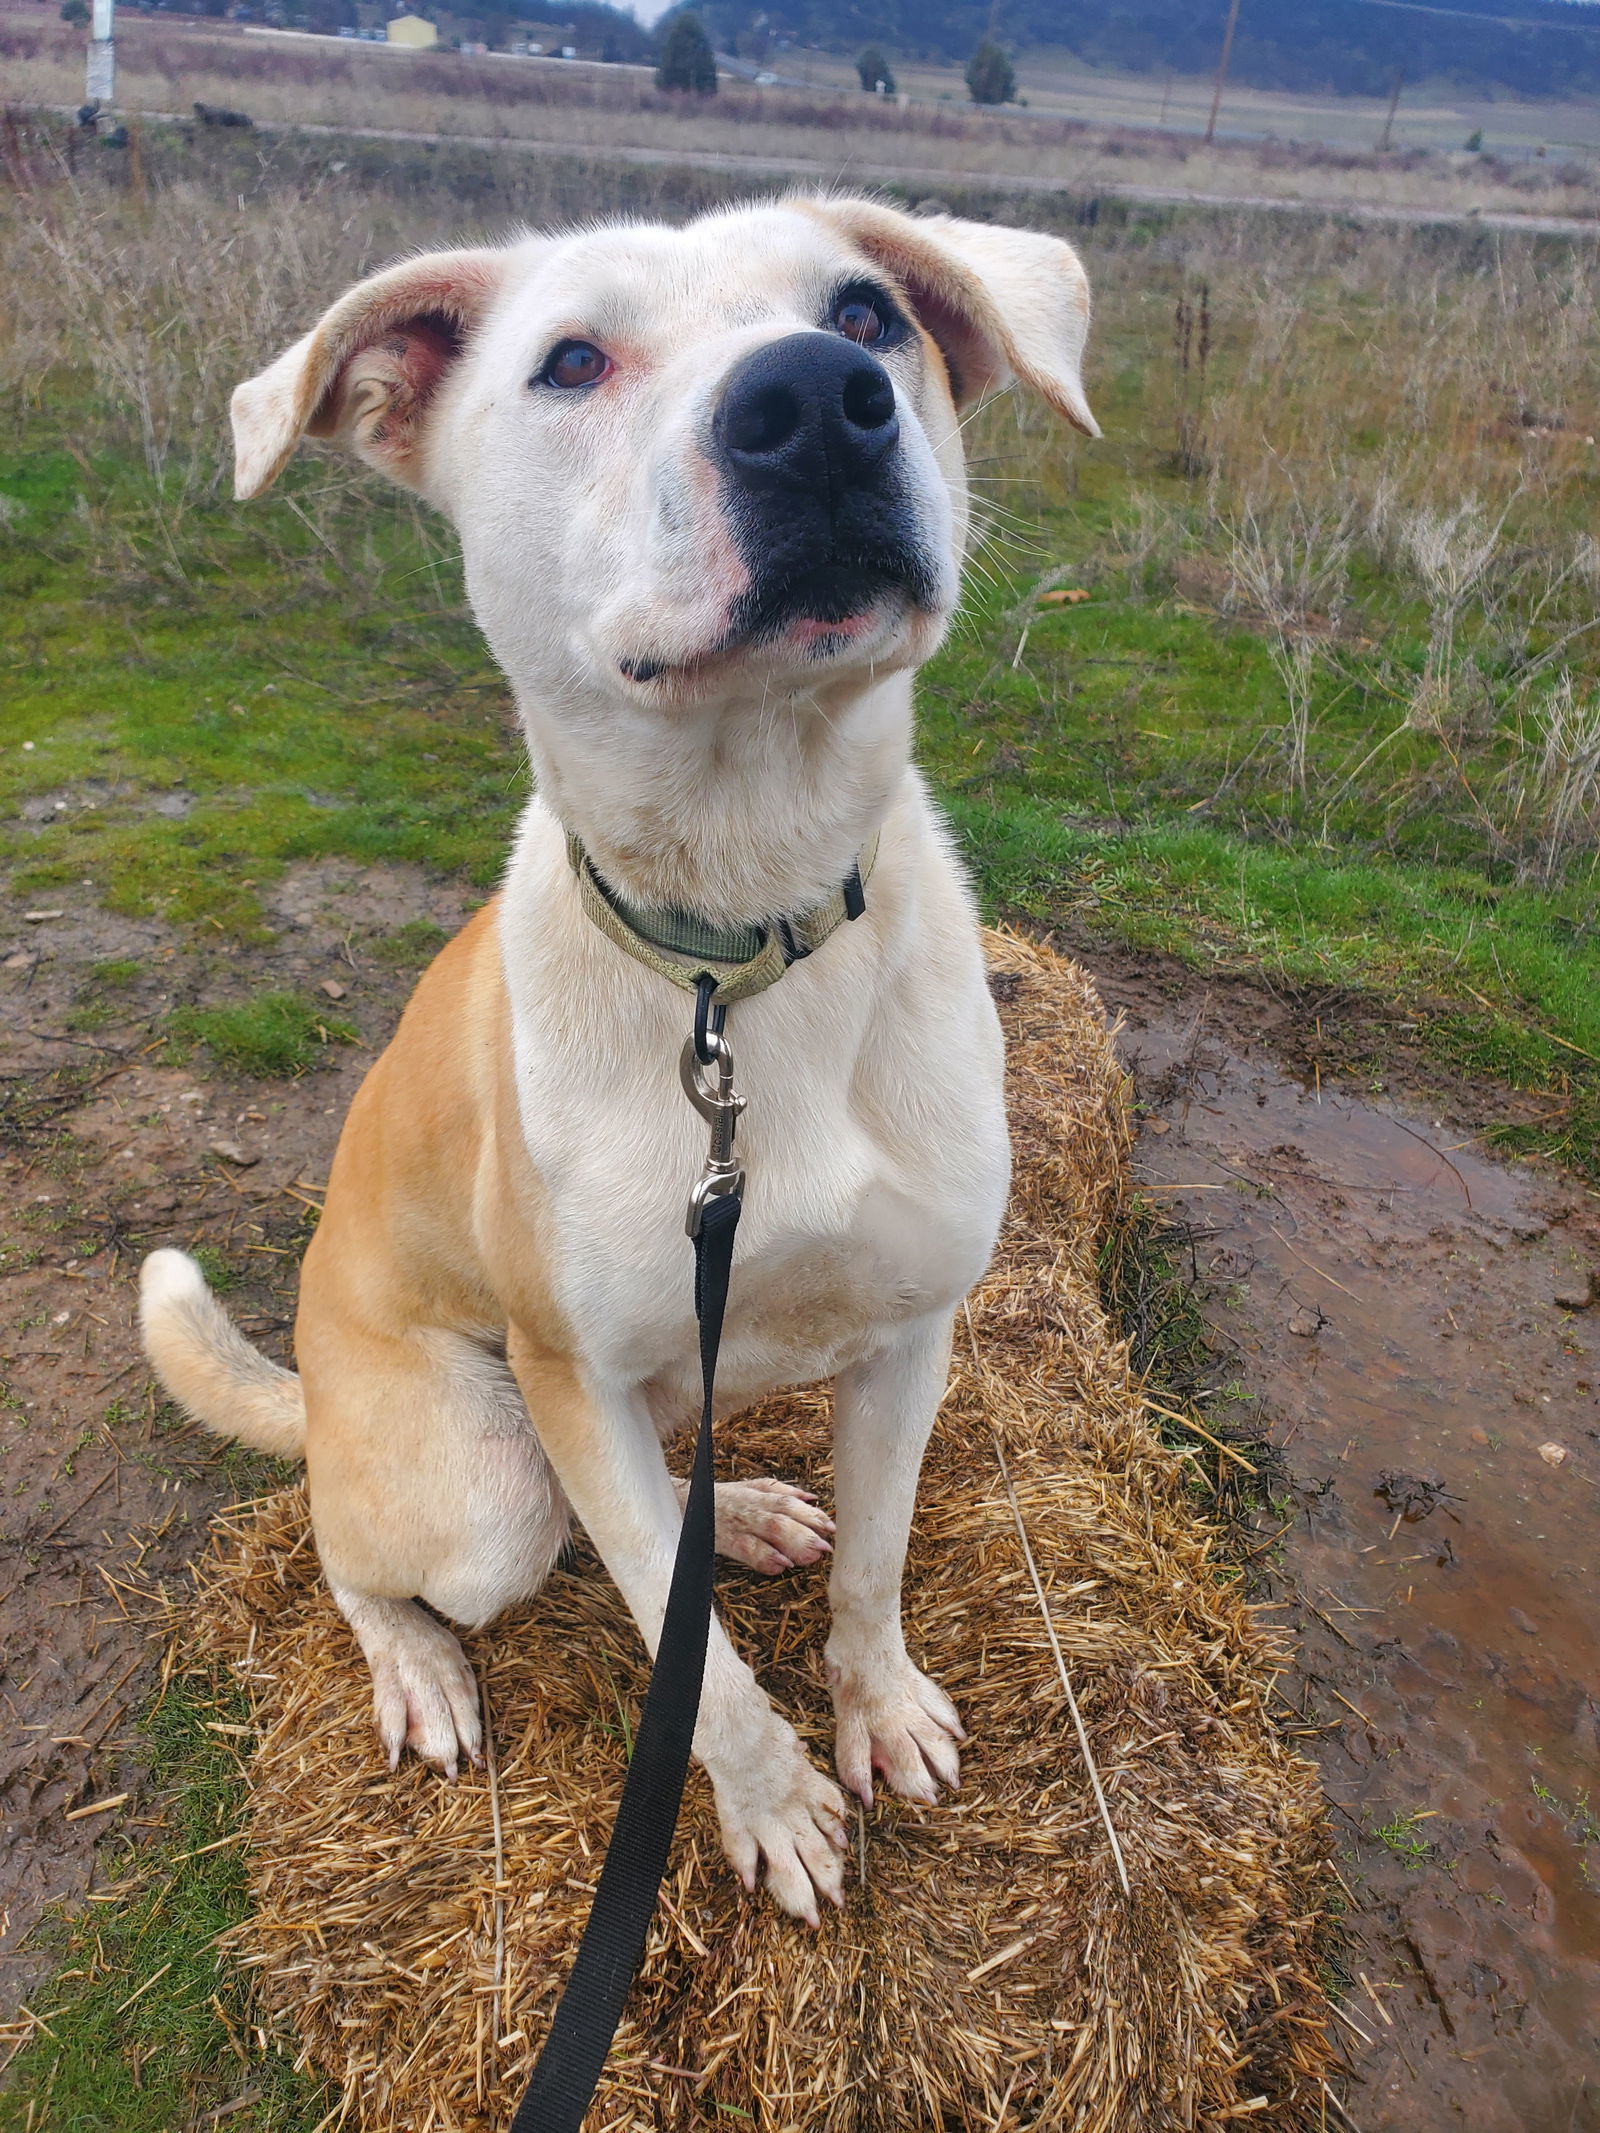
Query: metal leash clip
point(705, 1054)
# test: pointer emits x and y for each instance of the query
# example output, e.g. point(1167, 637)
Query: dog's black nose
point(812, 413)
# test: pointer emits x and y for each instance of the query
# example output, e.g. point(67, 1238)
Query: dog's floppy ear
point(1002, 304)
point(367, 371)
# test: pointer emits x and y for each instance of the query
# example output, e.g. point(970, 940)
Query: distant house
point(413, 30)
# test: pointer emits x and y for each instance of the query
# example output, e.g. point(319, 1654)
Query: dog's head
point(685, 460)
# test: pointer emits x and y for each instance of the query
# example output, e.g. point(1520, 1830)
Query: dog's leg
point(767, 1524)
point(779, 1814)
point(424, 1694)
point(890, 1716)
point(427, 1483)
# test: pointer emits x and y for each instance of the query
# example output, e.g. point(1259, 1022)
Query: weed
point(410, 946)
point(1556, 780)
point(1582, 1823)
point(277, 1033)
point(88, 1016)
point(219, 1274)
point(1152, 1287)
point(1293, 572)
point(1400, 1838)
point(1191, 343)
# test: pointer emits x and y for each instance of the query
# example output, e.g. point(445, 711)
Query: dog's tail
point(208, 1366)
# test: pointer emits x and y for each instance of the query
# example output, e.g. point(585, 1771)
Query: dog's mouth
point(813, 614)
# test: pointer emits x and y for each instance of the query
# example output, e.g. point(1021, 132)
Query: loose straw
point(499, 1853)
point(1061, 1666)
point(1050, 1630)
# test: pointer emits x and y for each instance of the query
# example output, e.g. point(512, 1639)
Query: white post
point(101, 83)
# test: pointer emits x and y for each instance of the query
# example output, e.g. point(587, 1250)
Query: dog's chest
point(871, 1200)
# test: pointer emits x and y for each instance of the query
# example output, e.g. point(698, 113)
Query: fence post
point(100, 84)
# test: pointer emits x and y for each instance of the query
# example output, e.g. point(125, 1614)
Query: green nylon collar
point(679, 945)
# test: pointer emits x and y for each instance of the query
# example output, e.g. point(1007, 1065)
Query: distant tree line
point(1346, 47)
point(684, 58)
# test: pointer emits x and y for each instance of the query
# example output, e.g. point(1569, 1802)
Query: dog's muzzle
point(807, 435)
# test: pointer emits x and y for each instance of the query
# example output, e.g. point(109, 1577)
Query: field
point(1430, 114)
point(1082, 132)
point(1290, 685)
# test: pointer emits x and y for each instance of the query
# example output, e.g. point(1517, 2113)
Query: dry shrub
point(1410, 413)
point(1554, 783)
point(1290, 567)
point(986, 1962)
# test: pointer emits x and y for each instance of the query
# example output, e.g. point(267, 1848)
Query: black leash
point(612, 1947)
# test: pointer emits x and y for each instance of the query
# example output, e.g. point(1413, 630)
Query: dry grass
point(841, 135)
point(411, 1936)
point(1388, 448)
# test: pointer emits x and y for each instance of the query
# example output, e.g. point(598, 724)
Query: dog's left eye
point(572, 363)
point(867, 316)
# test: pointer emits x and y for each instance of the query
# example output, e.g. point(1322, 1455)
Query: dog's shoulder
point(454, 1037)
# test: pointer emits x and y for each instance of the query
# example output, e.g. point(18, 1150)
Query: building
point(416, 31)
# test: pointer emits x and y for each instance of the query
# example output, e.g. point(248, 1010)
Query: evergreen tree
point(873, 67)
point(685, 59)
point(990, 79)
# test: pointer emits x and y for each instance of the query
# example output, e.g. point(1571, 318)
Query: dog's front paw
point(424, 1694)
point(893, 1719)
point(783, 1821)
point(770, 1525)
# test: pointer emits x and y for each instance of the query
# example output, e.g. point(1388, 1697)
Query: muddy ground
point(105, 1151)
point(1381, 1292)
point(1406, 1320)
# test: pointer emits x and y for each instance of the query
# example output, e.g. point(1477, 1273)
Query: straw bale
point(988, 1970)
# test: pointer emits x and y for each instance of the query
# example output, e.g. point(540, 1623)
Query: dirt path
point(104, 1153)
point(1388, 1295)
point(935, 181)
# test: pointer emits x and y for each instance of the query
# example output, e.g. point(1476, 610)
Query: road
point(936, 182)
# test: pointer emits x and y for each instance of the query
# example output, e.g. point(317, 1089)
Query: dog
point(709, 487)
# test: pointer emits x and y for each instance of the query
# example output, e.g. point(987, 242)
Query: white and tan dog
point(709, 488)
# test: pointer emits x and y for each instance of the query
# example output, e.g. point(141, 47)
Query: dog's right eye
point(574, 363)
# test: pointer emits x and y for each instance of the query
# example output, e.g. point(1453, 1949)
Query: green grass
point(1523, 965)
point(237, 710)
point(1400, 1838)
point(276, 1033)
point(219, 1274)
point(410, 946)
point(135, 2039)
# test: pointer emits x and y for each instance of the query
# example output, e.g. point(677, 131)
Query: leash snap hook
point(719, 1104)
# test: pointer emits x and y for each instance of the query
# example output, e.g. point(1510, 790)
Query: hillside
point(1349, 47)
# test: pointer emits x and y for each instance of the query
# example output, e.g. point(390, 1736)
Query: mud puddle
point(1386, 1293)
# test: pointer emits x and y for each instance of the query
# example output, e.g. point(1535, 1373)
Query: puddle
point(1388, 1290)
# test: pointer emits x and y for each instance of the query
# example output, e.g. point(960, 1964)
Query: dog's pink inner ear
point(428, 345)
point(382, 390)
point(970, 359)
